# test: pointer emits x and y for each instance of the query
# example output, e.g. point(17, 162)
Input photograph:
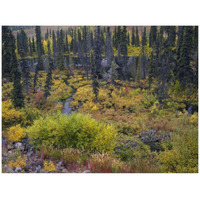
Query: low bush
point(182, 156)
point(15, 133)
point(10, 116)
point(49, 166)
point(19, 162)
point(30, 114)
point(75, 131)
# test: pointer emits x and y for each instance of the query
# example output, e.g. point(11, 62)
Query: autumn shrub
point(30, 114)
point(6, 90)
point(15, 133)
point(49, 166)
point(90, 106)
point(182, 156)
point(148, 99)
point(130, 149)
point(75, 131)
point(10, 116)
point(84, 94)
point(39, 99)
point(19, 162)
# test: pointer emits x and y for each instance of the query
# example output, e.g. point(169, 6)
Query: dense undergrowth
point(103, 135)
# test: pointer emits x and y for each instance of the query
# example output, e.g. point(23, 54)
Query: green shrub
point(182, 156)
point(130, 149)
point(75, 131)
point(30, 114)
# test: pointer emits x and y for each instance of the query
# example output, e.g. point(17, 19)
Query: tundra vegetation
point(131, 95)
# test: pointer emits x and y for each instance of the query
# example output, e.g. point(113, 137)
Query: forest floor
point(139, 134)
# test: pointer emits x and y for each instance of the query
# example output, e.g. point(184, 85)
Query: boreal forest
point(100, 99)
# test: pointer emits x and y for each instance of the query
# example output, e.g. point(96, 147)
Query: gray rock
point(190, 110)
point(87, 171)
point(38, 168)
point(65, 171)
point(18, 145)
point(60, 163)
point(152, 136)
point(4, 141)
point(18, 169)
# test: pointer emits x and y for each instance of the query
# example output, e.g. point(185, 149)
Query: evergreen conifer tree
point(137, 39)
point(33, 44)
point(17, 95)
point(48, 82)
point(6, 52)
point(66, 44)
point(98, 51)
point(152, 35)
point(123, 41)
point(133, 36)
point(40, 65)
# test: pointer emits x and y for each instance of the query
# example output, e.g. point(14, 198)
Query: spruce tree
point(185, 73)
point(98, 51)
point(22, 44)
point(109, 54)
point(54, 46)
point(30, 47)
point(6, 52)
point(143, 66)
point(18, 42)
point(196, 56)
point(166, 65)
point(66, 44)
point(33, 44)
point(137, 39)
point(60, 51)
point(89, 45)
point(152, 35)
point(39, 48)
point(118, 38)
point(49, 81)
point(123, 41)
point(75, 49)
point(128, 39)
point(103, 41)
point(92, 39)
point(17, 96)
point(84, 41)
point(196, 39)
point(115, 42)
point(133, 36)
point(144, 37)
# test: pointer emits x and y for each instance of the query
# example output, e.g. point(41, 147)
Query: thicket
point(75, 131)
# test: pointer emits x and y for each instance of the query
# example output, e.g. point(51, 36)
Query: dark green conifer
point(137, 39)
point(48, 82)
point(17, 96)
point(6, 52)
point(133, 36)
